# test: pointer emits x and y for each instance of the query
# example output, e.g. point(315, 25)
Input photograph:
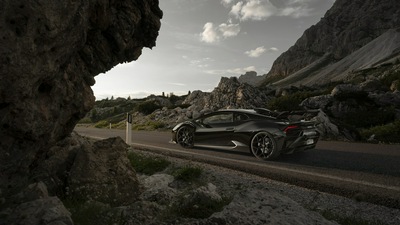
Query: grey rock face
point(265, 208)
point(346, 27)
point(34, 206)
point(50, 53)
point(102, 172)
point(251, 78)
point(229, 93)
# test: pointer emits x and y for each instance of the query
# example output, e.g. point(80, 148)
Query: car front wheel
point(263, 146)
point(185, 136)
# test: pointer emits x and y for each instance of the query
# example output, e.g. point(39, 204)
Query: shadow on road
point(352, 161)
point(323, 158)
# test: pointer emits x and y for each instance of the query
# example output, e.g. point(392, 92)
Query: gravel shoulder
point(296, 204)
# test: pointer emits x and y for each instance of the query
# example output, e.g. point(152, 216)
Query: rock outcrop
point(50, 53)
point(229, 93)
point(108, 176)
point(345, 28)
point(251, 78)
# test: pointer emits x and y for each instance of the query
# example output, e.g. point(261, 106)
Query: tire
point(185, 136)
point(263, 146)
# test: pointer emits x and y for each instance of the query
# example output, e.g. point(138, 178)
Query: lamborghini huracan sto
point(266, 133)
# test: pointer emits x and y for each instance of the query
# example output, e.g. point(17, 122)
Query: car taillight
point(290, 128)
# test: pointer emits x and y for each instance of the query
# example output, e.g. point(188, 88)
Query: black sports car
point(267, 133)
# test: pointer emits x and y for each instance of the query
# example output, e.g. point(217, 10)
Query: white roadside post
point(128, 139)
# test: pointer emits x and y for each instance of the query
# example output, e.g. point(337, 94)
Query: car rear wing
point(289, 115)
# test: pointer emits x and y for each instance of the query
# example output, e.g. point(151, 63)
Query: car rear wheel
point(263, 146)
point(185, 136)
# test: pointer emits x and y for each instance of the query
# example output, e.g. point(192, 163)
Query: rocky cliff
point(50, 52)
point(229, 93)
point(345, 28)
point(251, 78)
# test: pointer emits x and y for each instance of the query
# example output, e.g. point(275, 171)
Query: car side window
point(219, 118)
point(240, 117)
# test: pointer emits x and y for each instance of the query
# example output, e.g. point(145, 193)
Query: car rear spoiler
point(290, 115)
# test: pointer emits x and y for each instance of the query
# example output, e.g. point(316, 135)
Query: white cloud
point(212, 34)
point(256, 52)
point(297, 8)
point(259, 51)
point(209, 34)
point(253, 10)
point(226, 2)
point(236, 9)
point(263, 9)
point(296, 12)
point(201, 63)
point(229, 30)
point(234, 71)
point(273, 49)
point(177, 84)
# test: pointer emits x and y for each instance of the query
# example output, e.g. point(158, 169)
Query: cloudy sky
point(202, 40)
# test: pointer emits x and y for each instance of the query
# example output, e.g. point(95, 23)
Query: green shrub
point(154, 125)
point(389, 133)
point(102, 124)
point(289, 102)
point(85, 120)
point(187, 173)
point(388, 80)
point(150, 125)
point(368, 118)
point(147, 107)
point(146, 164)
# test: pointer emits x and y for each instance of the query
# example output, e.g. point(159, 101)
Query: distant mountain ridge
point(347, 27)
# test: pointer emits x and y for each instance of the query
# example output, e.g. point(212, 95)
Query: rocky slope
point(345, 28)
point(381, 52)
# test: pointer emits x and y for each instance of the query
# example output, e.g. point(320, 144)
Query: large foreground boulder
point(102, 172)
point(34, 206)
point(50, 52)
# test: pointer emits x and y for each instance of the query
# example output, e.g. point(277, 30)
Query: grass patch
point(370, 117)
point(150, 125)
point(388, 133)
point(102, 124)
point(187, 173)
point(289, 102)
point(146, 164)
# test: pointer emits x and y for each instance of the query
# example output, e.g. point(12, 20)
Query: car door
point(217, 129)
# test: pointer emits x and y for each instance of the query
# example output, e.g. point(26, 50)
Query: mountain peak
point(346, 27)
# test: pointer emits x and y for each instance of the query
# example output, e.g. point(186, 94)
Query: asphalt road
point(367, 172)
